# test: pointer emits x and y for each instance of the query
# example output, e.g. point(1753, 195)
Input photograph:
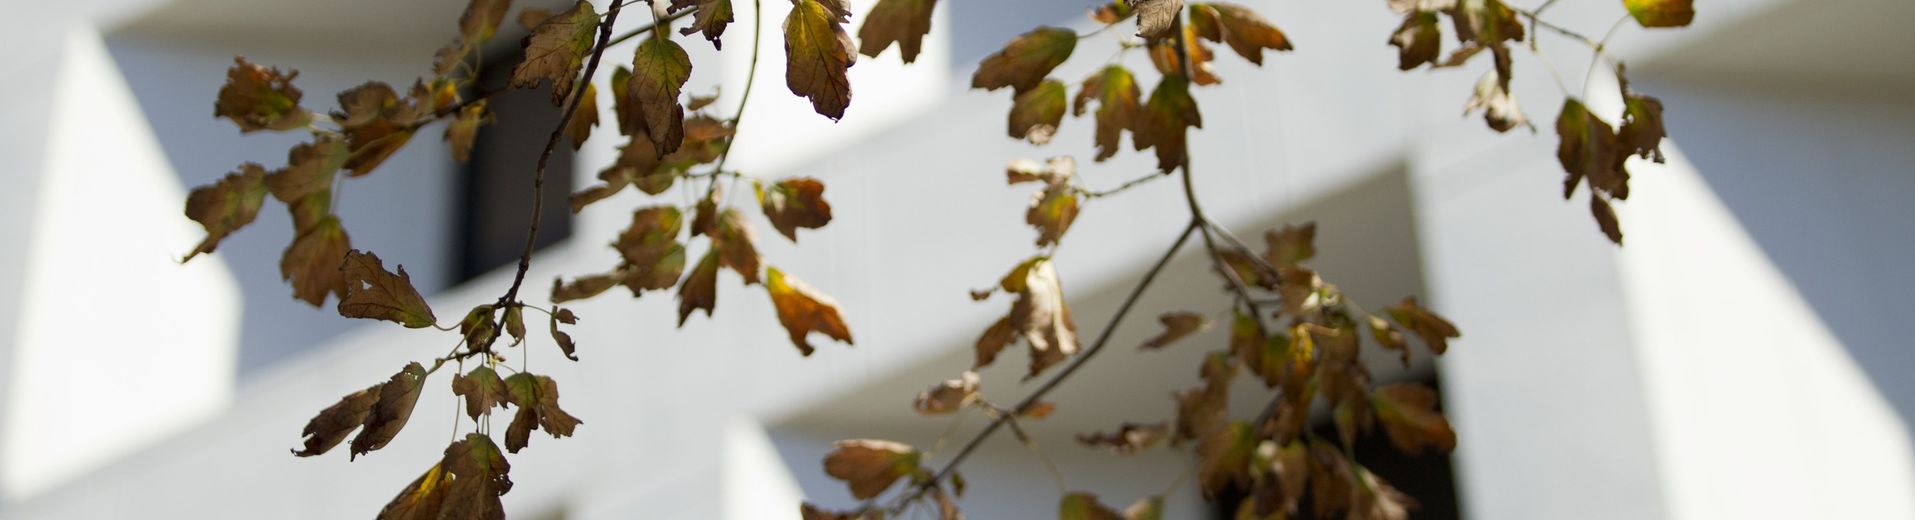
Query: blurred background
point(1745, 356)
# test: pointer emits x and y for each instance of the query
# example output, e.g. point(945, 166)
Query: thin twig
point(647, 28)
point(1031, 444)
point(751, 77)
point(1121, 188)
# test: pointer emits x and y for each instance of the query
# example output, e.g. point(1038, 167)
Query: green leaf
point(1035, 113)
point(818, 52)
point(1026, 60)
point(1662, 13)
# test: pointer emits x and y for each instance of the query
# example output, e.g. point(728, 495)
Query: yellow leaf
point(818, 52)
point(803, 310)
point(1662, 13)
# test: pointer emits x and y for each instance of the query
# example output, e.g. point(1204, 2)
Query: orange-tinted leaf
point(257, 98)
point(1433, 329)
point(537, 398)
point(653, 257)
point(870, 466)
point(902, 21)
point(482, 390)
point(1129, 438)
point(556, 49)
point(1024, 62)
point(948, 396)
point(699, 290)
point(1662, 13)
point(1035, 113)
point(1409, 416)
point(712, 18)
point(372, 292)
point(1111, 12)
point(1118, 107)
point(1167, 118)
point(1244, 30)
point(312, 263)
point(1155, 17)
point(1418, 41)
point(803, 310)
point(579, 127)
point(1177, 325)
point(793, 203)
point(660, 69)
point(1163, 54)
point(732, 238)
point(227, 205)
point(389, 414)
point(818, 52)
point(333, 423)
point(1084, 506)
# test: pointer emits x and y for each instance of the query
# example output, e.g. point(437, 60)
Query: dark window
point(495, 201)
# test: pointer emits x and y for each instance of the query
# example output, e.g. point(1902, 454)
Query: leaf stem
point(647, 28)
point(1126, 186)
point(751, 77)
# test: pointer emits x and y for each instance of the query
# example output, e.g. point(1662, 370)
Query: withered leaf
point(227, 205)
point(556, 49)
point(1038, 410)
point(732, 238)
point(579, 127)
point(818, 52)
point(1040, 313)
point(1418, 41)
point(1202, 409)
point(1409, 417)
point(1026, 60)
point(1662, 13)
point(257, 98)
point(1118, 106)
point(1084, 506)
point(1377, 500)
point(803, 310)
point(870, 466)
point(1433, 329)
point(1291, 245)
point(1035, 113)
point(464, 129)
point(564, 340)
point(1642, 131)
point(481, 19)
point(482, 390)
point(904, 22)
point(389, 414)
point(582, 287)
point(1147, 508)
point(948, 396)
point(1498, 105)
point(1590, 150)
point(623, 107)
point(660, 69)
point(466, 483)
point(807, 511)
point(333, 423)
point(310, 168)
point(1053, 209)
point(712, 18)
point(1389, 338)
point(1129, 438)
point(377, 123)
point(999, 335)
point(1242, 29)
point(793, 203)
point(1155, 17)
point(531, 17)
point(478, 327)
point(1225, 455)
point(1111, 12)
point(312, 263)
point(537, 398)
point(1605, 218)
point(1163, 55)
point(374, 293)
point(515, 323)
point(947, 508)
point(699, 290)
point(1166, 120)
point(1177, 325)
point(653, 257)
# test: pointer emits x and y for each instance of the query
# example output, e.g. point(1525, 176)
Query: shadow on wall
point(1367, 243)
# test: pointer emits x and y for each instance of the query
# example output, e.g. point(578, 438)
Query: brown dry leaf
point(712, 18)
point(579, 127)
point(1332, 485)
point(948, 396)
point(312, 263)
point(1433, 329)
point(1498, 105)
point(479, 328)
point(515, 323)
point(803, 310)
point(1641, 132)
point(1389, 338)
point(377, 123)
point(1291, 245)
point(537, 398)
point(257, 98)
point(1605, 218)
point(1177, 325)
point(1244, 30)
point(1409, 416)
point(653, 258)
point(481, 19)
point(1376, 500)
point(463, 130)
point(1590, 150)
point(1129, 438)
point(564, 340)
point(466, 483)
point(1111, 12)
point(227, 205)
point(705, 213)
point(1225, 455)
point(1156, 17)
point(793, 203)
point(333, 423)
point(1202, 409)
point(623, 107)
point(732, 238)
point(660, 69)
point(1418, 41)
point(699, 290)
point(818, 52)
point(1026, 60)
point(1118, 107)
point(902, 21)
point(1662, 13)
point(1038, 410)
point(1040, 314)
point(1053, 209)
point(1163, 55)
point(1084, 506)
point(556, 49)
point(374, 293)
point(531, 17)
point(582, 287)
point(999, 335)
point(1166, 121)
point(1259, 352)
point(870, 466)
point(310, 168)
point(389, 414)
point(482, 390)
point(1035, 113)
point(947, 508)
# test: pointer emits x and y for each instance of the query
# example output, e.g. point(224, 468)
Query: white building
point(1746, 356)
